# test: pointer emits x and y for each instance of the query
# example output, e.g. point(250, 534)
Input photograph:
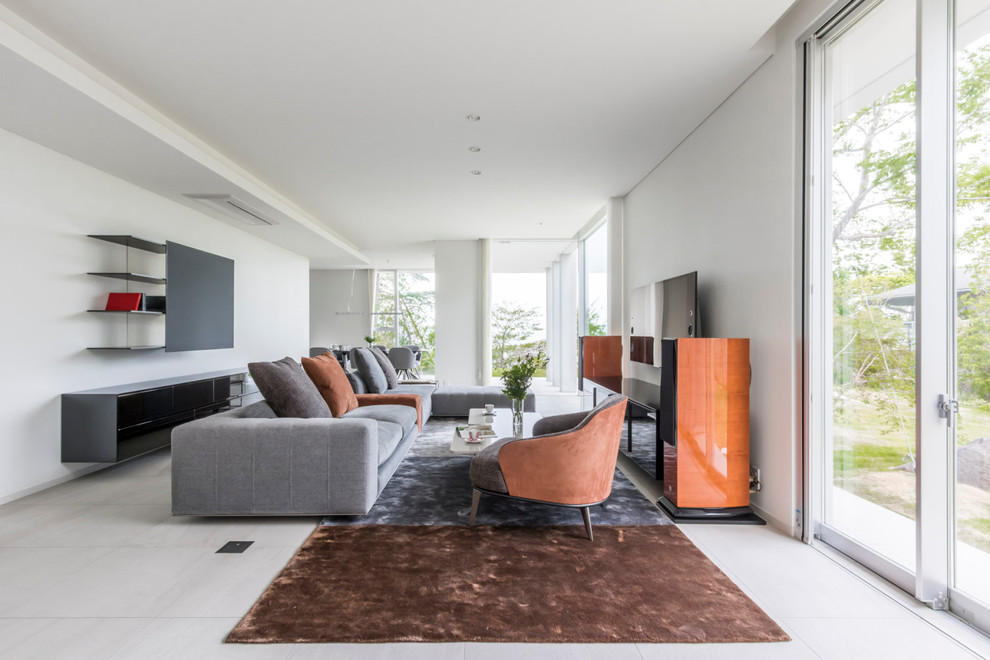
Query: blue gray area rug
point(644, 444)
point(431, 487)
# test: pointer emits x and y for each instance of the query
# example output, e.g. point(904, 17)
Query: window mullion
point(934, 303)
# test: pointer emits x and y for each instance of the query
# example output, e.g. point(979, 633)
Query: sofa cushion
point(287, 389)
point(328, 376)
point(404, 416)
point(391, 378)
point(371, 372)
point(425, 393)
point(458, 401)
point(389, 437)
point(391, 399)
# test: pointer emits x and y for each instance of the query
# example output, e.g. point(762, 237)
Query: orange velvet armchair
point(569, 461)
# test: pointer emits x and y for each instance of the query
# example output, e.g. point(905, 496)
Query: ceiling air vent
point(234, 207)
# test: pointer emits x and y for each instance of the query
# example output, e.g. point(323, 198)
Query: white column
point(616, 266)
point(553, 331)
point(458, 311)
point(485, 321)
point(582, 290)
point(568, 325)
point(551, 298)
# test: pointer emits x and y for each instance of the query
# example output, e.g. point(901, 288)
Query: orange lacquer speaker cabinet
point(704, 425)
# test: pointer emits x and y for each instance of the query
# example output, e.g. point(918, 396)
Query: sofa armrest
point(412, 400)
point(224, 465)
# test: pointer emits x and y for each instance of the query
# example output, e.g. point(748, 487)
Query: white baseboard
point(88, 469)
point(776, 523)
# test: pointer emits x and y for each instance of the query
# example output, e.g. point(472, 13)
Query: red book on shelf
point(124, 302)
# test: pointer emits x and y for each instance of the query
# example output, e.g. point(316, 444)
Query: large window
point(871, 255)
point(899, 294)
point(519, 317)
point(972, 292)
point(404, 313)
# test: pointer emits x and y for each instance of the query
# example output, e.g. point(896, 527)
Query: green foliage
point(872, 343)
point(512, 325)
point(596, 328)
point(518, 375)
point(414, 318)
point(874, 228)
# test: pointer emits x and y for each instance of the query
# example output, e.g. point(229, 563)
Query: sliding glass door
point(871, 118)
point(898, 293)
point(971, 286)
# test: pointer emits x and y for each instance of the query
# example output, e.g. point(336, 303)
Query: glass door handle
point(948, 408)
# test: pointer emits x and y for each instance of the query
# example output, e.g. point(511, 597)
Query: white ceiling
point(355, 111)
point(526, 256)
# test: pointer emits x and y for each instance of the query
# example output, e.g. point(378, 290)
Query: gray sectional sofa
point(250, 462)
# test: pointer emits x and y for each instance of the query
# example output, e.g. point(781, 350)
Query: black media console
point(113, 424)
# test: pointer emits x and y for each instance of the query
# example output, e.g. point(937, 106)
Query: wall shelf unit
point(197, 305)
point(123, 311)
point(136, 243)
point(132, 242)
point(132, 277)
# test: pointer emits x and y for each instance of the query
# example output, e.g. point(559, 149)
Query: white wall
point(48, 203)
point(339, 307)
point(725, 203)
point(458, 312)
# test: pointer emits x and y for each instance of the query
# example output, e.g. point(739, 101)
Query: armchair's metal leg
point(586, 513)
point(475, 499)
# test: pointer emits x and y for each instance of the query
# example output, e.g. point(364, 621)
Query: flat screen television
point(663, 310)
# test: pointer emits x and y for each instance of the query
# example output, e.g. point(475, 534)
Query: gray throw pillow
point(371, 372)
point(288, 390)
point(391, 378)
point(357, 383)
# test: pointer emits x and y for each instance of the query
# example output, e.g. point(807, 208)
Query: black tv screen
point(663, 310)
point(199, 294)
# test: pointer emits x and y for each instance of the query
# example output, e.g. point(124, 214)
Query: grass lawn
point(871, 450)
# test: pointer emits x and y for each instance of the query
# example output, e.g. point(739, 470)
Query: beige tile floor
point(97, 568)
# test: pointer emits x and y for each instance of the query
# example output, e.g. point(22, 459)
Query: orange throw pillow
point(329, 377)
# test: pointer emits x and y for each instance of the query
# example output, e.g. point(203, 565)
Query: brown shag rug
point(502, 584)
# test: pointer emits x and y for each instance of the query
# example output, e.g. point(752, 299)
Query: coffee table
point(501, 424)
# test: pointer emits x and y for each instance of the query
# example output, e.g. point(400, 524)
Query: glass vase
point(517, 417)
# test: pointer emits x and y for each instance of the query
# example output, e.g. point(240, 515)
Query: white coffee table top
point(501, 424)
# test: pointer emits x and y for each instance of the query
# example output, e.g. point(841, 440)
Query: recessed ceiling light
point(476, 172)
point(474, 149)
point(473, 118)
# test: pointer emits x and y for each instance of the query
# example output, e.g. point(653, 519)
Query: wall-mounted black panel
point(200, 294)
